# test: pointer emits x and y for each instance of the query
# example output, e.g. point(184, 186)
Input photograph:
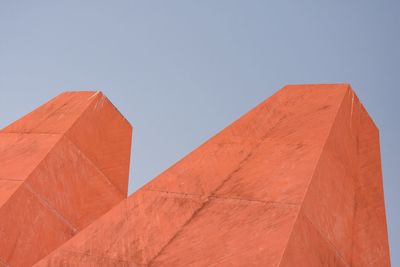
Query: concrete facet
point(56, 176)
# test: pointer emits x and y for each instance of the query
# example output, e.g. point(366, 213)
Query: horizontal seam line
point(173, 193)
point(44, 133)
point(15, 180)
point(257, 201)
point(98, 256)
point(224, 198)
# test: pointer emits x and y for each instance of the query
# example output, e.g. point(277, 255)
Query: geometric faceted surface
point(61, 167)
point(295, 182)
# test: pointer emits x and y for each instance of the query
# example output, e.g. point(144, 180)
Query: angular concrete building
point(61, 167)
point(295, 182)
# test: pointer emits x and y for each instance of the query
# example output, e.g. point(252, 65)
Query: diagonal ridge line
point(51, 208)
point(338, 254)
point(312, 175)
point(95, 165)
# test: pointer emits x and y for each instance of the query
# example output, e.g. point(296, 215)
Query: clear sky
point(180, 71)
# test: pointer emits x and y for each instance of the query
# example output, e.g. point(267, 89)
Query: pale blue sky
point(180, 71)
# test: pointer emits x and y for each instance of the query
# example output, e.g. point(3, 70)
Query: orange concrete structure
point(295, 182)
point(61, 167)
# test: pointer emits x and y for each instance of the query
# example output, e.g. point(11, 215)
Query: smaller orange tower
point(61, 167)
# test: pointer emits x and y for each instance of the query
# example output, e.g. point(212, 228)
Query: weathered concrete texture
point(62, 166)
point(295, 182)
